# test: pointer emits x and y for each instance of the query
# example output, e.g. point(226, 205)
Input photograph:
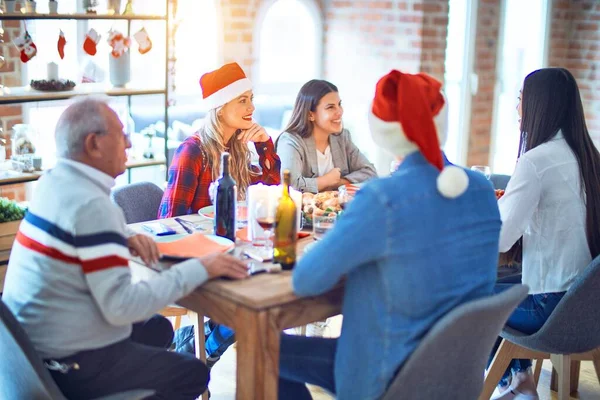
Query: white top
point(324, 161)
point(543, 203)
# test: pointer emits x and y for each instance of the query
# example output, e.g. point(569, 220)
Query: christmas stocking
point(143, 40)
point(61, 45)
point(91, 40)
point(26, 47)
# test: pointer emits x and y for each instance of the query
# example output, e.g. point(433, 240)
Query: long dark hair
point(308, 97)
point(551, 102)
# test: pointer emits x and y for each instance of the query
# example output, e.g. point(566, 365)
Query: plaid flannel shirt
point(189, 178)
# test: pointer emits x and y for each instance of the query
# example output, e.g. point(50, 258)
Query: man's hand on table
point(144, 247)
point(223, 265)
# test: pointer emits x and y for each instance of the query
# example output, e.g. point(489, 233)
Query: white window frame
point(498, 84)
point(469, 85)
point(286, 88)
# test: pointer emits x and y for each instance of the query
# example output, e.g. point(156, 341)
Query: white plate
point(206, 211)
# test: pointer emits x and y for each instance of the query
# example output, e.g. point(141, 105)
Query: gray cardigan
point(299, 155)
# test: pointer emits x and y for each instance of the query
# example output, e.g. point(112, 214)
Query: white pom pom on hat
point(403, 115)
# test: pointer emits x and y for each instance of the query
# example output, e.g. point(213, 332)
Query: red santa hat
point(408, 114)
point(223, 85)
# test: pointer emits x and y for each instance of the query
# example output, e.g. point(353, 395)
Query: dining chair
point(139, 201)
point(572, 333)
point(450, 360)
point(499, 181)
point(23, 375)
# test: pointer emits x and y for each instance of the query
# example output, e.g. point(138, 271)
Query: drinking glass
point(264, 212)
point(344, 197)
point(323, 224)
point(484, 169)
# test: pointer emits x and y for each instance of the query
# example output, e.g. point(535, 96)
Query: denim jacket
point(410, 256)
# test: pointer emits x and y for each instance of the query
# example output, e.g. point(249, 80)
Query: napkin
point(191, 246)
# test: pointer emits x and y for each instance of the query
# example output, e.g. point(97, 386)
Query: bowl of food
point(324, 203)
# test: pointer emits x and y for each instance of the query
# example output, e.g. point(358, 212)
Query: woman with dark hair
point(315, 148)
point(553, 201)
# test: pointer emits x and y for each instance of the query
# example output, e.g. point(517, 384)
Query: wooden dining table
point(258, 309)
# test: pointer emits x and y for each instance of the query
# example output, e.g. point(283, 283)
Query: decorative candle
point(272, 193)
point(52, 71)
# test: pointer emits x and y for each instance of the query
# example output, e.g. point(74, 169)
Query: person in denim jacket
point(411, 246)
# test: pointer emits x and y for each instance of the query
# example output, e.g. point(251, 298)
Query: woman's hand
point(256, 134)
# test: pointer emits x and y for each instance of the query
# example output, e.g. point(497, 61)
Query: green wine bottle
point(286, 228)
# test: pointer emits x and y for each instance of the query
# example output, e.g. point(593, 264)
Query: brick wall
point(366, 39)
point(575, 44)
point(482, 104)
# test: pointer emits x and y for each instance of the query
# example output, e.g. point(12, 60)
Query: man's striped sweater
point(68, 280)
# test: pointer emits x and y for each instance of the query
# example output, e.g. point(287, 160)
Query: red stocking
point(91, 40)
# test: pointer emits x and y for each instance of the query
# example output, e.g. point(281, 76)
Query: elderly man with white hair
point(69, 284)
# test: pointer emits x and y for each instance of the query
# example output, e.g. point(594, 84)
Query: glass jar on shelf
point(22, 140)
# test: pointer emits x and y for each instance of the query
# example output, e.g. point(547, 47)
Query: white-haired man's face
point(108, 149)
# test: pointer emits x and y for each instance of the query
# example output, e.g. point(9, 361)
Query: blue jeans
point(217, 339)
point(305, 360)
point(528, 318)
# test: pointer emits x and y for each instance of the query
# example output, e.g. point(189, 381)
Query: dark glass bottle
point(225, 202)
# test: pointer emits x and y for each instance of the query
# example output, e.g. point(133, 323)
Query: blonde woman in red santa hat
point(228, 126)
point(411, 247)
point(315, 148)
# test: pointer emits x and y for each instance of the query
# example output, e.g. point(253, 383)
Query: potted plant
point(11, 215)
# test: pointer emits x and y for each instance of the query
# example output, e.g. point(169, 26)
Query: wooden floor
point(222, 384)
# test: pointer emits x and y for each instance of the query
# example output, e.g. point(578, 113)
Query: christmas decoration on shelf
point(143, 40)
point(90, 6)
point(53, 7)
point(91, 40)
point(128, 8)
point(26, 47)
point(61, 45)
point(149, 133)
point(119, 43)
point(119, 59)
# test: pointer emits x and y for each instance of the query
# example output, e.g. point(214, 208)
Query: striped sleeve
point(91, 252)
point(101, 245)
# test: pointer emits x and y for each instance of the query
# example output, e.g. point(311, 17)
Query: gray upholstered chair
point(572, 333)
point(139, 201)
point(449, 362)
point(23, 375)
point(499, 181)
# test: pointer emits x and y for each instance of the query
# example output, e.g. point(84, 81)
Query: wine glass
point(265, 213)
point(484, 169)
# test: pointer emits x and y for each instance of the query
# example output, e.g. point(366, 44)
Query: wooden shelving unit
point(26, 94)
point(21, 16)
